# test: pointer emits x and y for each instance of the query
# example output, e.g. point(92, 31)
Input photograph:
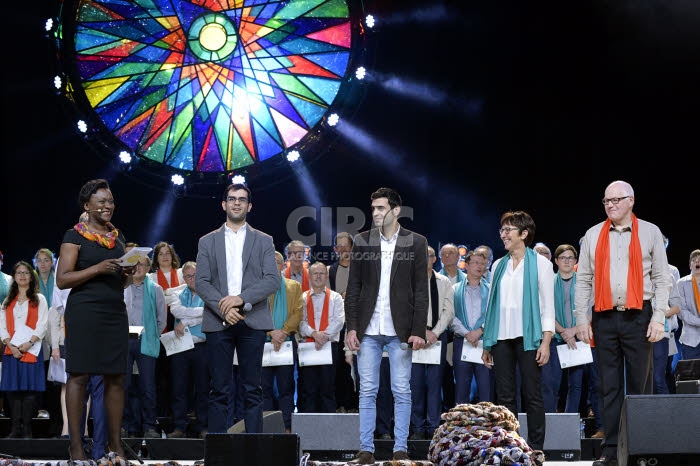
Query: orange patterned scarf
point(635, 281)
point(324, 313)
point(107, 240)
point(32, 317)
point(696, 293)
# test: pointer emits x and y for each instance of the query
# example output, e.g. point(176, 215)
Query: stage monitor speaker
point(273, 423)
point(251, 449)
point(562, 439)
point(659, 430)
point(327, 431)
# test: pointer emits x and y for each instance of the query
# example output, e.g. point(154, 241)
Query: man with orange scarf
point(622, 266)
point(321, 322)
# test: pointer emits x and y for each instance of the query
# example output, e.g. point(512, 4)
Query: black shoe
point(417, 435)
point(385, 436)
point(605, 461)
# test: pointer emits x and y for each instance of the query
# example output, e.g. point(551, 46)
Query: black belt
point(646, 302)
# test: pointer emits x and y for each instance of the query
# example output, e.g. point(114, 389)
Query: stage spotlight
point(57, 82)
point(293, 156)
point(49, 24)
point(238, 179)
point(125, 157)
point(177, 180)
point(369, 21)
point(82, 126)
point(360, 73)
point(333, 119)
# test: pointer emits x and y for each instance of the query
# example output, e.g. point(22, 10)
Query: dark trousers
point(248, 343)
point(465, 372)
point(283, 376)
point(506, 354)
point(133, 421)
point(624, 353)
point(190, 372)
point(318, 389)
point(426, 395)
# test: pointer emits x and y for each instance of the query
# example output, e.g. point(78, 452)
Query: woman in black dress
point(97, 329)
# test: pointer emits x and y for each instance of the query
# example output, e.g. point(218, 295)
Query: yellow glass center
point(212, 37)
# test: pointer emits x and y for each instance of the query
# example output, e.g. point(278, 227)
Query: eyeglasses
point(566, 258)
point(240, 200)
point(614, 200)
point(164, 253)
point(23, 272)
point(188, 276)
point(296, 254)
point(507, 230)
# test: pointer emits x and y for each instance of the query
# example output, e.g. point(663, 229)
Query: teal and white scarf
point(279, 308)
point(532, 322)
point(150, 340)
point(461, 308)
point(559, 302)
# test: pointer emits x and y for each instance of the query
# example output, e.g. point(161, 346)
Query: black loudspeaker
point(562, 439)
point(273, 423)
point(659, 430)
point(251, 449)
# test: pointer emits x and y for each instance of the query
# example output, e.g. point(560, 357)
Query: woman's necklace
point(21, 300)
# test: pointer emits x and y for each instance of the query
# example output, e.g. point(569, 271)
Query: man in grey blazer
point(236, 268)
point(386, 306)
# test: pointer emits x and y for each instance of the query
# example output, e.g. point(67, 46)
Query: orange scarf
point(324, 313)
point(635, 281)
point(173, 279)
point(32, 317)
point(304, 278)
point(696, 293)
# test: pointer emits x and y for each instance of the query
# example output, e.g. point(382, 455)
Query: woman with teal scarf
point(519, 321)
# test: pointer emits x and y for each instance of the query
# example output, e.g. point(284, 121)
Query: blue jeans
point(249, 344)
point(369, 359)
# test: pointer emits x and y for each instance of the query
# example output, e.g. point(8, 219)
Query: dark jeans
point(248, 343)
point(465, 372)
point(283, 376)
point(133, 421)
point(426, 395)
point(190, 370)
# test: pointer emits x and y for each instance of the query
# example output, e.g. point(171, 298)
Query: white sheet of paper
point(174, 344)
point(429, 355)
point(24, 334)
point(134, 255)
point(136, 329)
point(570, 358)
point(283, 357)
point(471, 353)
point(309, 356)
point(57, 371)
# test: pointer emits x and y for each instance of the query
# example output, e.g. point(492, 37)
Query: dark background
point(533, 106)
